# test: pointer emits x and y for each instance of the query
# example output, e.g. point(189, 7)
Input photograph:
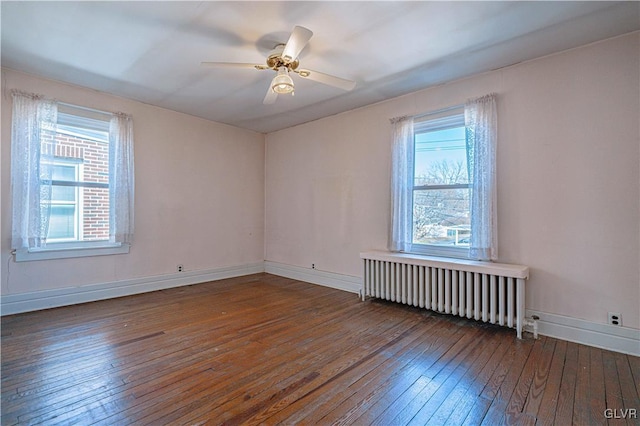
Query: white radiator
point(485, 291)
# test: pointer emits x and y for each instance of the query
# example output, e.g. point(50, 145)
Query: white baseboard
point(328, 279)
point(26, 302)
point(610, 337)
point(614, 338)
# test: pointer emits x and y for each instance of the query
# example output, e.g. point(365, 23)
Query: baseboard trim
point(26, 302)
point(314, 276)
point(619, 339)
point(604, 336)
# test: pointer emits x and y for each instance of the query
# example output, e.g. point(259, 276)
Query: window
point(443, 182)
point(441, 216)
point(79, 209)
point(79, 164)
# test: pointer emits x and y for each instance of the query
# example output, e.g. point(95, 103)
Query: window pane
point(62, 222)
point(441, 158)
point(63, 193)
point(441, 217)
point(66, 173)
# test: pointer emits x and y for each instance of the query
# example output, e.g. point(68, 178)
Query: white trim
point(69, 250)
point(440, 251)
point(609, 337)
point(504, 269)
point(25, 302)
point(614, 338)
point(314, 276)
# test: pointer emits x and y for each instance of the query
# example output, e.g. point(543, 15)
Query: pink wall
point(568, 172)
point(210, 195)
point(199, 195)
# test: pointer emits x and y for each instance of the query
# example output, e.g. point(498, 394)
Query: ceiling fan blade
point(297, 41)
point(327, 79)
point(233, 65)
point(270, 97)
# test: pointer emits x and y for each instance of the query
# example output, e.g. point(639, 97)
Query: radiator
point(483, 291)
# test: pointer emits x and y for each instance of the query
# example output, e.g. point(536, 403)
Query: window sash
point(444, 120)
point(433, 123)
point(436, 187)
point(74, 220)
point(79, 184)
point(83, 124)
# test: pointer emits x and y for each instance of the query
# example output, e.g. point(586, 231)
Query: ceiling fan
point(283, 59)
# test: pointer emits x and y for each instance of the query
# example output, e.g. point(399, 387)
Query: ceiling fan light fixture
point(282, 82)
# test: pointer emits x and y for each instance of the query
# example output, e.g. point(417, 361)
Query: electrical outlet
point(313, 266)
point(615, 318)
point(180, 268)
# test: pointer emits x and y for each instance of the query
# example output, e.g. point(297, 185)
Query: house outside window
point(441, 215)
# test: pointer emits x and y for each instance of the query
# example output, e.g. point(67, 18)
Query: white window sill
point(65, 251)
point(440, 251)
point(502, 269)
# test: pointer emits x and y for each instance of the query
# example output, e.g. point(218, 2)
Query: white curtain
point(121, 178)
point(33, 129)
point(400, 237)
point(481, 124)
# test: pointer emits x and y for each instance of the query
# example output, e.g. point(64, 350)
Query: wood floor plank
point(254, 375)
point(551, 390)
point(634, 363)
point(437, 374)
point(612, 390)
point(583, 371)
point(347, 393)
point(455, 400)
point(396, 397)
point(630, 397)
point(515, 407)
point(229, 380)
point(263, 349)
point(497, 412)
point(267, 386)
point(165, 356)
point(386, 396)
point(540, 377)
point(567, 392)
point(473, 406)
point(596, 390)
point(355, 408)
point(446, 392)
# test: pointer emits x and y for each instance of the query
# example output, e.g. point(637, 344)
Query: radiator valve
point(533, 323)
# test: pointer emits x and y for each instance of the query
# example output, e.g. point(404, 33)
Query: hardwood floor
point(269, 350)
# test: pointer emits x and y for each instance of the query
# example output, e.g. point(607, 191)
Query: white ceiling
point(151, 51)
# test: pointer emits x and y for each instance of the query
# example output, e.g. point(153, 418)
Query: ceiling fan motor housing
point(275, 59)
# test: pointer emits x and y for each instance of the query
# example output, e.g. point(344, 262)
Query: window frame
point(448, 119)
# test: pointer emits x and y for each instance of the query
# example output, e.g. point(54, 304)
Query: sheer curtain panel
point(481, 124)
point(402, 153)
point(121, 179)
point(33, 129)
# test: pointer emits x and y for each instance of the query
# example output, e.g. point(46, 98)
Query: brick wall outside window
point(94, 159)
